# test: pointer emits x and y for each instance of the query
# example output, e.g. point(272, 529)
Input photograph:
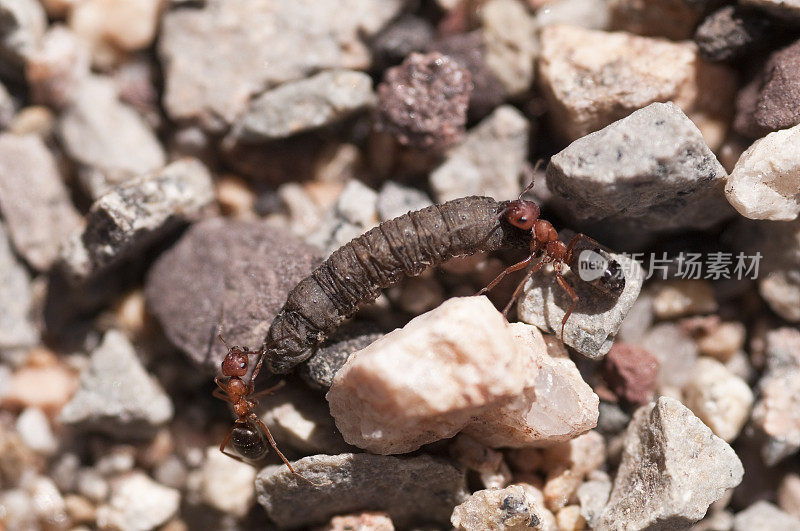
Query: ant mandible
point(544, 238)
point(244, 434)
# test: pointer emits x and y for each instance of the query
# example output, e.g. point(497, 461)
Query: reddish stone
point(630, 372)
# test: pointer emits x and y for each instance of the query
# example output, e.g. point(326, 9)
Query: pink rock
point(593, 78)
point(425, 382)
point(555, 404)
point(631, 372)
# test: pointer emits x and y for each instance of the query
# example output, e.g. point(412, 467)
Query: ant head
point(235, 362)
point(522, 214)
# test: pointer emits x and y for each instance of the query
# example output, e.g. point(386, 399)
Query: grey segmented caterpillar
point(357, 272)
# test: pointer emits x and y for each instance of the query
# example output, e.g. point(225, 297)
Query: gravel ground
point(171, 169)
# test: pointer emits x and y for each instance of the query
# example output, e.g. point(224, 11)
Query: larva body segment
point(357, 272)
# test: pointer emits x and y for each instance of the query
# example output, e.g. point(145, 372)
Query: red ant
point(544, 238)
point(244, 434)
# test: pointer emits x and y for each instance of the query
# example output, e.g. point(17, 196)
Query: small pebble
point(723, 342)
point(353, 482)
point(306, 104)
point(593, 495)
point(582, 455)
point(489, 162)
point(569, 518)
point(24, 23)
point(672, 469)
point(57, 68)
point(320, 35)
point(423, 102)
point(48, 504)
point(36, 204)
point(676, 353)
point(678, 298)
point(718, 398)
point(407, 33)
point(34, 430)
point(79, 509)
point(138, 503)
point(593, 325)
point(129, 218)
point(46, 388)
point(509, 37)
point(584, 13)
point(771, 100)
point(117, 396)
point(474, 455)
point(555, 405)
point(196, 288)
point(764, 515)
point(227, 485)
point(109, 140)
point(505, 509)
point(466, 371)
point(732, 32)
point(368, 521)
point(559, 488)
point(115, 27)
point(775, 412)
point(618, 174)
point(17, 330)
point(92, 485)
point(581, 72)
point(395, 200)
point(631, 372)
point(764, 183)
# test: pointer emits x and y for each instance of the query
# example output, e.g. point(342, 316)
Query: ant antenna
point(527, 171)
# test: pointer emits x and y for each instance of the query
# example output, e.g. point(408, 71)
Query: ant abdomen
point(248, 441)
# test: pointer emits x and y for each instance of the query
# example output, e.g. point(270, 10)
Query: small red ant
point(544, 238)
point(244, 434)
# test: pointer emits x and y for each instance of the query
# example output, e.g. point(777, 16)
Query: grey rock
point(318, 371)
point(676, 353)
point(765, 516)
point(22, 24)
point(306, 104)
point(395, 200)
point(673, 468)
point(137, 502)
point(109, 140)
point(203, 49)
point(116, 395)
point(134, 215)
point(511, 44)
point(774, 413)
point(299, 418)
point(489, 162)
point(652, 167)
point(231, 276)
point(17, 331)
point(731, 32)
point(409, 33)
point(33, 199)
point(612, 419)
point(593, 495)
point(416, 489)
point(596, 319)
point(355, 211)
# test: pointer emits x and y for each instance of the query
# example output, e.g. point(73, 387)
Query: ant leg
point(510, 269)
point(269, 390)
point(575, 239)
point(570, 291)
point(517, 291)
point(217, 393)
point(225, 443)
point(272, 443)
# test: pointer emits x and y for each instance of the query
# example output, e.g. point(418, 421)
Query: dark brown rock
point(225, 275)
point(771, 101)
point(423, 102)
point(630, 372)
point(407, 34)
